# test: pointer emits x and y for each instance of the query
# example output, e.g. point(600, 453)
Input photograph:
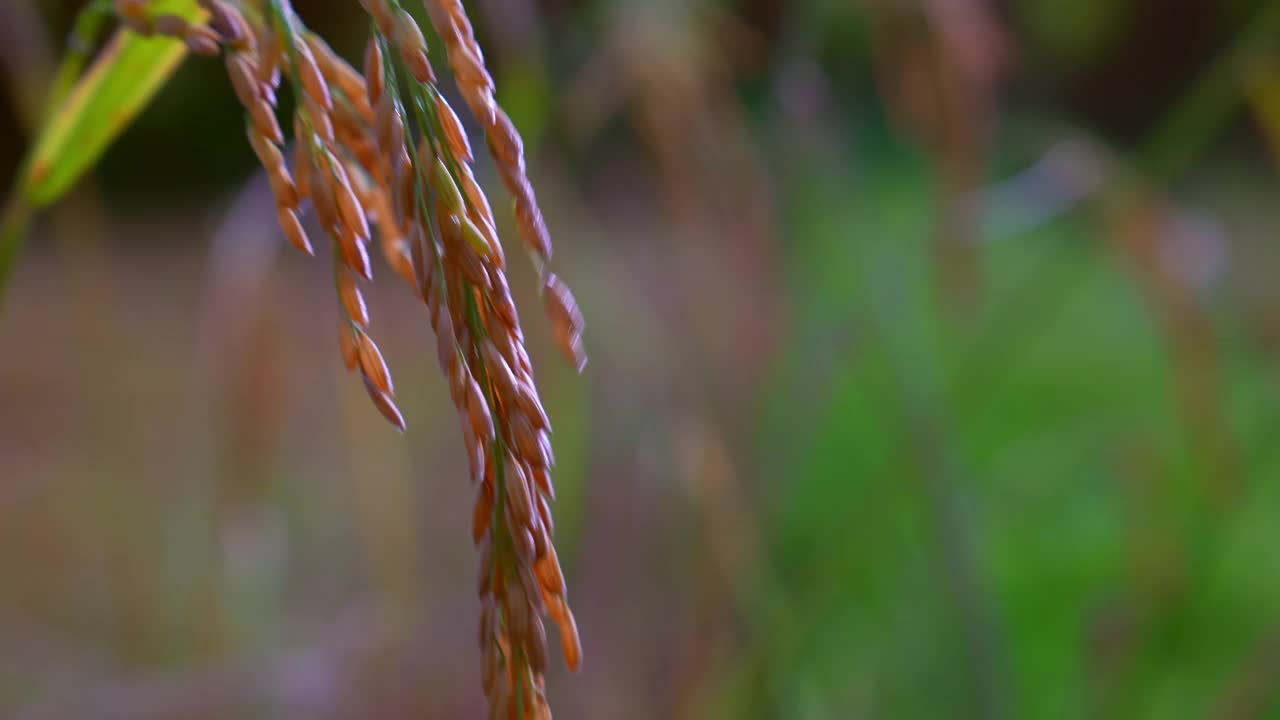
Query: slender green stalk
point(68, 144)
point(1201, 114)
point(18, 212)
point(13, 231)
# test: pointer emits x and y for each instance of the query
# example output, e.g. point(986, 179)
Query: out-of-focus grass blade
point(127, 74)
point(1262, 82)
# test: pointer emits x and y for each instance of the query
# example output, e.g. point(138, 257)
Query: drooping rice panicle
point(374, 155)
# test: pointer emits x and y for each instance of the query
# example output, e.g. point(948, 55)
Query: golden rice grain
point(412, 45)
point(533, 229)
point(493, 253)
point(384, 403)
point(388, 125)
point(270, 58)
point(373, 77)
point(517, 493)
point(202, 41)
point(541, 710)
point(570, 644)
point(526, 399)
point(468, 67)
point(354, 254)
point(322, 198)
point(537, 646)
point(382, 15)
point(478, 412)
point(293, 230)
point(282, 187)
point(566, 320)
point(475, 239)
point(476, 460)
point(400, 259)
point(227, 21)
point(349, 208)
point(500, 373)
point(312, 79)
point(528, 439)
point(372, 364)
point(482, 513)
point(487, 613)
point(244, 78)
point(542, 479)
point(268, 152)
point(502, 304)
point(446, 189)
point(476, 199)
point(544, 514)
point(338, 73)
point(264, 120)
point(489, 665)
point(352, 300)
point(548, 571)
point(347, 342)
point(500, 705)
point(453, 132)
point(463, 258)
point(321, 123)
point(505, 143)
point(540, 539)
point(515, 609)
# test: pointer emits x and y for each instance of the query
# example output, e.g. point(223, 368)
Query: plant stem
point(1199, 116)
point(13, 231)
point(18, 213)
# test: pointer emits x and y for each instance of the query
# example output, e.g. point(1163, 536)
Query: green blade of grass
point(127, 74)
point(86, 117)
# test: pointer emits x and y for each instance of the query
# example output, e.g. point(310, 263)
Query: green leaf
point(129, 71)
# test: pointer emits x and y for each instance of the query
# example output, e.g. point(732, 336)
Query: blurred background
point(934, 359)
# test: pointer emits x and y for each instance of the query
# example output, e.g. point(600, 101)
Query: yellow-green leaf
point(124, 77)
point(1262, 81)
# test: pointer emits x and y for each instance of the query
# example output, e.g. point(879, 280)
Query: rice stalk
point(374, 154)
